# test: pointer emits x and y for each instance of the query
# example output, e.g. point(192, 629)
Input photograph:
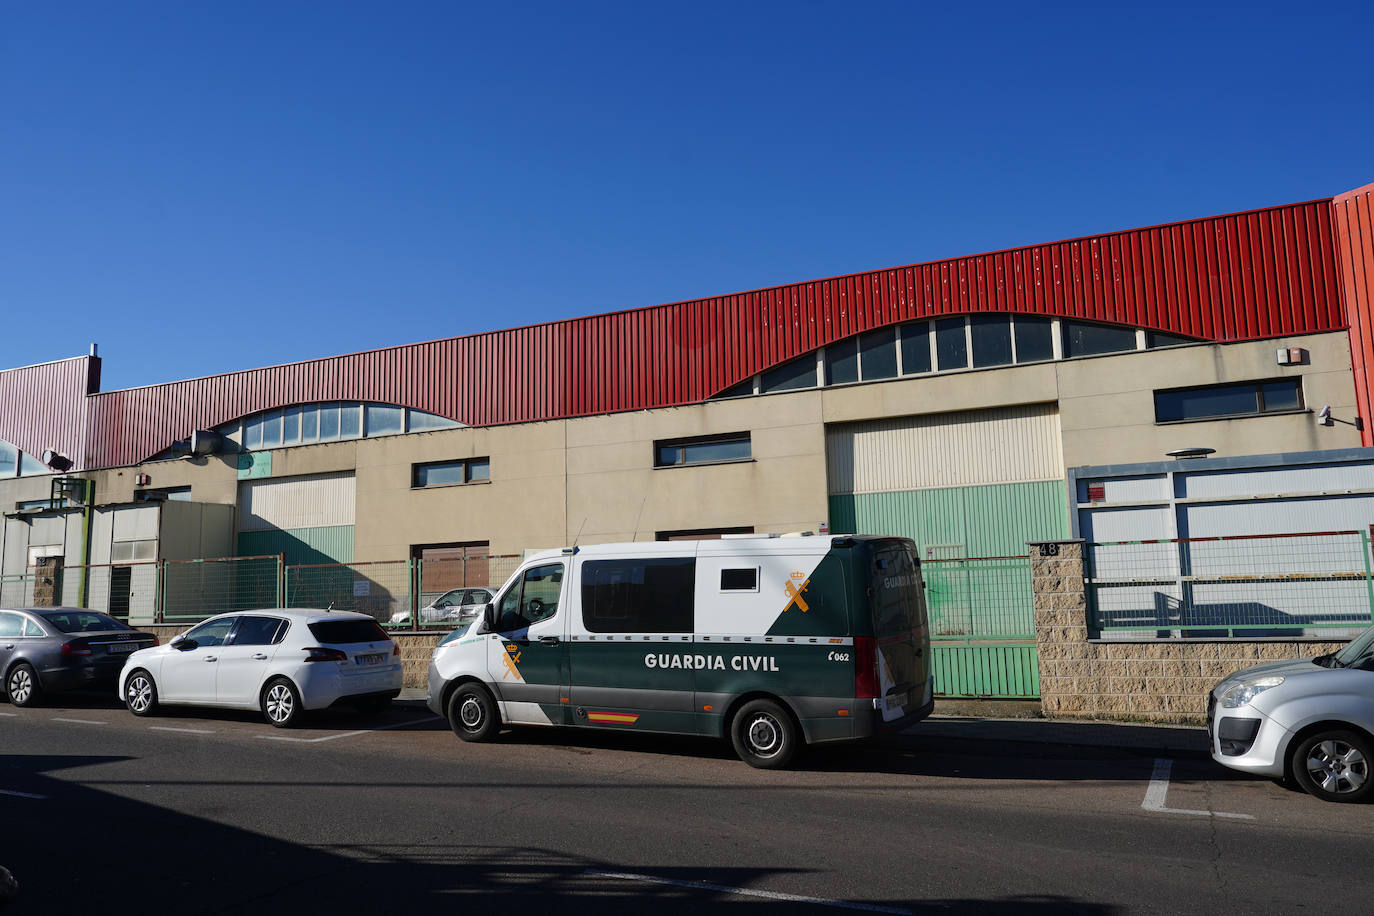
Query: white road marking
point(79, 721)
point(21, 794)
point(11, 715)
point(747, 892)
point(1158, 791)
point(193, 731)
point(363, 731)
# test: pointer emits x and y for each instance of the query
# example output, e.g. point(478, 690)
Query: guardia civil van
point(768, 641)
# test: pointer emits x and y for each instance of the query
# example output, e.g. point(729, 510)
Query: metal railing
point(979, 598)
point(1250, 586)
point(188, 591)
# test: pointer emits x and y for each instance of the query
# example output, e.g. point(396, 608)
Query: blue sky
point(206, 187)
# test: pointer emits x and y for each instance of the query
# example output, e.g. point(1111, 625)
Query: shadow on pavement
point(76, 849)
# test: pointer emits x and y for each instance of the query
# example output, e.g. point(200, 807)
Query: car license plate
point(369, 659)
point(122, 647)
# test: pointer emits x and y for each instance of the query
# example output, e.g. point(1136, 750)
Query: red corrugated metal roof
point(1354, 213)
point(1257, 274)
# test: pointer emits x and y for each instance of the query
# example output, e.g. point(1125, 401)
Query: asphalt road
point(217, 812)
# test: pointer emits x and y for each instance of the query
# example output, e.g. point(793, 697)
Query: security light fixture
point(1195, 452)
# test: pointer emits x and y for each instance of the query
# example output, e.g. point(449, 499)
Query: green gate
point(982, 627)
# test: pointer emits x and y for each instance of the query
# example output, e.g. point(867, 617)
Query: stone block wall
point(1153, 681)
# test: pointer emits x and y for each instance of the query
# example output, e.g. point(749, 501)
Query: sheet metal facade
point(1354, 216)
point(326, 501)
point(1252, 275)
point(962, 448)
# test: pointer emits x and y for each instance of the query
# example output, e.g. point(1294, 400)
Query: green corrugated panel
point(302, 546)
point(986, 671)
point(984, 521)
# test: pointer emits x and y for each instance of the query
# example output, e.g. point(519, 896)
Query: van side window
point(739, 580)
point(638, 596)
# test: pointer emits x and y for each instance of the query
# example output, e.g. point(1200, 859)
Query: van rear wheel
point(764, 735)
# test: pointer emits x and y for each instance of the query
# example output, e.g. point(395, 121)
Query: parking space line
point(79, 721)
point(193, 731)
point(747, 892)
point(10, 715)
point(1158, 791)
point(22, 794)
point(363, 731)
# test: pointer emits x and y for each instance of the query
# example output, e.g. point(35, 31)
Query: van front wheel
point(472, 713)
point(764, 735)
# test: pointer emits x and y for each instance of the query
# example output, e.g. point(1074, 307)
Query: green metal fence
point(982, 625)
point(1245, 586)
point(191, 590)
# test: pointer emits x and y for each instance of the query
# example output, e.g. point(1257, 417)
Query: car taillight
point(156, 642)
point(865, 667)
point(75, 647)
point(318, 654)
point(395, 649)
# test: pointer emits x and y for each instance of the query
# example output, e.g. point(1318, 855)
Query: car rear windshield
point(342, 632)
point(82, 621)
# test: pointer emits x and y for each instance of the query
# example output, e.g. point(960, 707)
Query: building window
point(878, 354)
point(450, 473)
point(842, 362)
point(1034, 339)
point(1244, 399)
point(951, 344)
point(991, 336)
point(799, 373)
point(702, 450)
point(915, 348)
point(1083, 338)
point(638, 596)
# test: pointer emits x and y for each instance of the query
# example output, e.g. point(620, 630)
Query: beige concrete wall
point(1106, 403)
point(522, 506)
point(616, 494)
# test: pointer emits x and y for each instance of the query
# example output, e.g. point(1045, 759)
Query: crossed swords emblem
point(510, 658)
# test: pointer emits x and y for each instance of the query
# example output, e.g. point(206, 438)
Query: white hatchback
point(280, 661)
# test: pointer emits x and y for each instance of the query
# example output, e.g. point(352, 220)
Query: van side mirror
point(489, 617)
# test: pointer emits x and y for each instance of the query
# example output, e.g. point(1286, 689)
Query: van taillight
point(318, 654)
point(865, 667)
point(75, 647)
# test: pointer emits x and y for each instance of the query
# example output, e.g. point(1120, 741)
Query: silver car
point(1307, 719)
point(453, 606)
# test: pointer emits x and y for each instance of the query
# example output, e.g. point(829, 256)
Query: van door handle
point(259, 656)
point(549, 640)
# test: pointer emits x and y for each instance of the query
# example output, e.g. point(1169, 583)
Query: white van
point(767, 640)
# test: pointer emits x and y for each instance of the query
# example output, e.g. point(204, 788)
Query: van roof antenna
point(578, 536)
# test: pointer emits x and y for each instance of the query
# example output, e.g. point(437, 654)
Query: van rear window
point(898, 602)
point(343, 632)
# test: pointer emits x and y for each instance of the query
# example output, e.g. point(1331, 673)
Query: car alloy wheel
point(281, 703)
point(1334, 766)
point(140, 695)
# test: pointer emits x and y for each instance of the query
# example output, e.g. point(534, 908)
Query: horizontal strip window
point(1243, 399)
point(979, 341)
point(702, 450)
point(451, 473)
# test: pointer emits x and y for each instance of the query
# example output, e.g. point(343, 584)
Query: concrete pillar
point(47, 582)
point(1061, 627)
